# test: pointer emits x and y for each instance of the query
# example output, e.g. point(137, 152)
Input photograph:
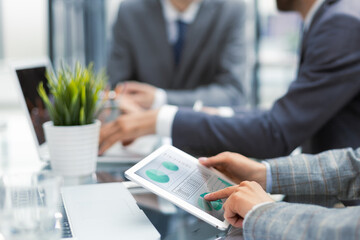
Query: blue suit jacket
point(320, 111)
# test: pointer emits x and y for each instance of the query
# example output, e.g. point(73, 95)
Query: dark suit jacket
point(320, 111)
point(213, 63)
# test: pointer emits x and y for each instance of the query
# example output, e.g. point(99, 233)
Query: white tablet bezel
point(131, 174)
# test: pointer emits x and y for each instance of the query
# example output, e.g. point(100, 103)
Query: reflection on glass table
point(29, 206)
point(172, 222)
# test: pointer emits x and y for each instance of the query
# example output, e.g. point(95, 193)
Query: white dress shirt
point(171, 15)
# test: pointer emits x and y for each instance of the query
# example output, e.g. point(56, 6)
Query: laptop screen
point(29, 79)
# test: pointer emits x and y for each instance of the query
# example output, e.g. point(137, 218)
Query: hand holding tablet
point(182, 180)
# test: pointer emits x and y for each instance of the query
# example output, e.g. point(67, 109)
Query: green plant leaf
point(82, 116)
point(74, 94)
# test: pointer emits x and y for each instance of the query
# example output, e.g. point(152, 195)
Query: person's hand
point(127, 105)
point(240, 200)
point(127, 128)
point(141, 93)
point(210, 110)
point(237, 167)
point(114, 101)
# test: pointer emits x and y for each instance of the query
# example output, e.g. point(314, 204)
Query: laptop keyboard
point(65, 226)
point(21, 198)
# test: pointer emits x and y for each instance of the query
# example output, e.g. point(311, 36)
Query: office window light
point(23, 35)
point(1, 32)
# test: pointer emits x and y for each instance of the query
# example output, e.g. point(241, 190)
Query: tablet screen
point(185, 179)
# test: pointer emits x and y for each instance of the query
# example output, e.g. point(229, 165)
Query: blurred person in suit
point(334, 173)
point(320, 111)
point(179, 51)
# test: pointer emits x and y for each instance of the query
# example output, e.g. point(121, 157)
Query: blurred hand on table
point(127, 105)
point(140, 93)
point(126, 128)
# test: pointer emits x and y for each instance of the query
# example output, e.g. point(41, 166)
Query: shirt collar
point(313, 10)
point(171, 14)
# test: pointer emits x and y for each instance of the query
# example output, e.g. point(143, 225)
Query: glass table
point(18, 154)
point(172, 222)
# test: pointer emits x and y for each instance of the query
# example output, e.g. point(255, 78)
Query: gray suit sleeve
point(300, 221)
point(335, 173)
point(120, 65)
point(331, 173)
point(228, 85)
point(325, 85)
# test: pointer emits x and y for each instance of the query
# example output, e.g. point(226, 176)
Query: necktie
point(179, 44)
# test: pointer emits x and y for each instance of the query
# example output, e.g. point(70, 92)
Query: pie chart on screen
point(208, 206)
point(157, 176)
point(170, 166)
point(203, 204)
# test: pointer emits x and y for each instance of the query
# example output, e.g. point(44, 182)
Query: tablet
point(182, 180)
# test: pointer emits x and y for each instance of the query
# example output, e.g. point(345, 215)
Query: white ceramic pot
point(73, 149)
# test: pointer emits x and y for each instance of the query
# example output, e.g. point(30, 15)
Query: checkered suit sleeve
point(302, 221)
point(333, 173)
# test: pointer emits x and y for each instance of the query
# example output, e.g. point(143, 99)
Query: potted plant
point(72, 134)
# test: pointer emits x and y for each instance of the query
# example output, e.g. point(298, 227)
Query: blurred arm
point(301, 221)
point(326, 84)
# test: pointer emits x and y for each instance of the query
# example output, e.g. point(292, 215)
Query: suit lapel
point(160, 42)
point(196, 34)
point(319, 13)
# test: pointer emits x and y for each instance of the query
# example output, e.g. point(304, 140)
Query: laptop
point(28, 75)
point(104, 211)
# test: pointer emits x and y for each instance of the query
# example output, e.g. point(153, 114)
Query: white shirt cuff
point(226, 111)
point(165, 120)
point(268, 177)
point(160, 98)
